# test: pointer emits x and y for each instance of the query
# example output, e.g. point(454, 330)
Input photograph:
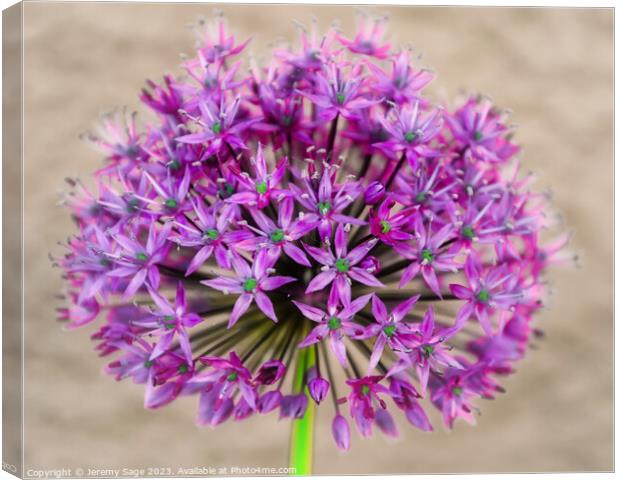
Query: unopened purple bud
point(318, 388)
point(222, 413)
point(269, 401)
point(374, 193)
point(417, 417)
point(270, 372)
point(211, 412)
point(242, 410)
point(293, 406)
point(341, 432)
point(386, 423)
point(371, 264)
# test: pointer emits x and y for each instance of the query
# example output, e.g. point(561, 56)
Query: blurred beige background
point(552, 67)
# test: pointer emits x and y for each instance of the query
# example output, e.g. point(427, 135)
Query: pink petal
point(431, 280)
point(402, 309)
point(312, 313)
point(136, 282)
point(356, 305)
point(285, 212)
point(459, 291)
point(340, 241)
point(324, 257)
point(162, 345)
point(364, 277)
point(378, 310)
point(321, 281)
point(343, 288)
point(271, 283)
point(316, 335)
point(193, 138)
point(241, 267)
point(339, 349)
point(428, 324)
point(296, 253)
point(224, 284)
point(222, 257)
point(203, 254)
point(240, 307)
point(463, 315)
point(265, 305)
point(358, 253)
point(185, 346)
point(377, 352)
point(325, 187)
point(263, 261)
point(408, 274)
point(162, 304)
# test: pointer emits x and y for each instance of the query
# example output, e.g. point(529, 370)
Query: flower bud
point(242, 410)
point(341, 432)
point(318, 388)
point(269, 401)
point(212, 414)
point(270, 372)
point(293, 406)
point(371, 264)
point(375, 192)
point(385, 422)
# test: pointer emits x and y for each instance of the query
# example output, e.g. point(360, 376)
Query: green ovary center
point(261, 187)
point(132, 205)
point(427, 350)
point(227, 191)
point(171, 203)
point(168, 322)
point(342, 265)
point(483, 296)
point(427, 255)
point(385, 226)
point(217, 127)
point(341, 98)
point(324, 207)
point(277, 235)
point(142, 256)
point(365, 389)
point(250, 284)
point(457, 391)
point(477, 136)
point(333, 323)
point(389, 330)
point(468, 232)
point(211, 234)
point(410, 136)
point(232, 377)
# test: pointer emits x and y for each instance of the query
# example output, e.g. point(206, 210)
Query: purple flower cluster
point(318, 202)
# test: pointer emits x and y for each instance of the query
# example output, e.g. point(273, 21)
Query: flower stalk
point(302, 431)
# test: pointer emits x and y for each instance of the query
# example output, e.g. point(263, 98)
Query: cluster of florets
point(315, 204)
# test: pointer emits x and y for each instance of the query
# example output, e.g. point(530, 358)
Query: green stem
point(302, 434)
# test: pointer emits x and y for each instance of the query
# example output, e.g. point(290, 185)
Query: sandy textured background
point(552, 67)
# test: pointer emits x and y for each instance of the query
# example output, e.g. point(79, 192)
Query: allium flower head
point(317, 214)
